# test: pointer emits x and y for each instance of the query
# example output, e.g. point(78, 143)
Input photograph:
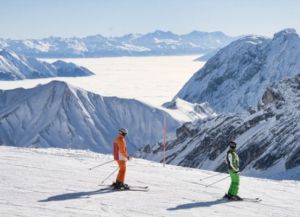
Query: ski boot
point(227, 196)
point(116, 185)
point(125, 187)
point(235, 198)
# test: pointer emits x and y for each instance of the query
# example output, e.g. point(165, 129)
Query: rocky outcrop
point(268, 137)
point(236, 77)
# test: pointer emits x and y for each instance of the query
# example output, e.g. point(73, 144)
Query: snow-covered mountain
point(187, 112)
point(236, 77)
point(267, 136)
point(18, 67)
point(56, 182)
point(155, 43)
point(59, 115)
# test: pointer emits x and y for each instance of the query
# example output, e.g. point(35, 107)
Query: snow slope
point(54, 182)
point(267, 136)
point(59, 115)
point(154, 43)
point(187, 112)
point(18, 67)
point(236, 77)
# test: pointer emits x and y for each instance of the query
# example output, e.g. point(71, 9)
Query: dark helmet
point(232, 144)
point(123, 131)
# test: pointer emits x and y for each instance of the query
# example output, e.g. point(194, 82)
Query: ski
point(254, 200)
point(111, 189)
point(251, 199)
point(133, 189)
point(243, 199)
point(139, 187)
point(133, 186)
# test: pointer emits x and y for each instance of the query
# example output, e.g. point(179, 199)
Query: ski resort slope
point(56, 182)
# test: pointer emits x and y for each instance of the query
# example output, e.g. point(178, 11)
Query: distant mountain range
point(155, 43)
point(60, 115)
point(18, 67)
point(236, 77)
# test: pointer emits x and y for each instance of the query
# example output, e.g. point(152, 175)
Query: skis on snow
point(251, 199)
point(246, 199)
point(131, 188)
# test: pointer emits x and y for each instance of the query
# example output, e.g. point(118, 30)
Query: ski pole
point(109, 176)
point(217, 181)
point(211, 176)
point(101, 164)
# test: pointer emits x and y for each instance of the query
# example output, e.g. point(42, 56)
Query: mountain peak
point(7, 53)
point(285, 33)
point(16, 67)
point(249, 65)
point(60, 115)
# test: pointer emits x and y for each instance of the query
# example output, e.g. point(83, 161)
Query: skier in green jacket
point(234, 171)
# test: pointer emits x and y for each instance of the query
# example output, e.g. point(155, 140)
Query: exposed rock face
point(268, 138)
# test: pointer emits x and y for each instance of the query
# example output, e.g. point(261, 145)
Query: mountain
point(187, 112)
point(236, 77)
point(18, 67)
point(55, 182)
point(267, 137)
point(155, 43)
point(59, 115)
point(207, 56)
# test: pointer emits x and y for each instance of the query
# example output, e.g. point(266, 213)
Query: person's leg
point(235, 181)
point(122, 171)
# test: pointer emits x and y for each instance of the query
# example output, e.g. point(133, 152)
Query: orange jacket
point(120, 148)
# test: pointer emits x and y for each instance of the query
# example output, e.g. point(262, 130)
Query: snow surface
point(54, 182)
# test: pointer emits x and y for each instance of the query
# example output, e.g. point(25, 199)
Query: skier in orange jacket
point(121, 156)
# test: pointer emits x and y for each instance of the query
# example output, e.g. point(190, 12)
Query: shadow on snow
point(198, 204)
point(77, 195)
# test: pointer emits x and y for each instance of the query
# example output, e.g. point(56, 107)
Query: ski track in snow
point(56, 182)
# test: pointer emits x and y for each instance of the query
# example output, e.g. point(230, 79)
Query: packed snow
point(54, 182)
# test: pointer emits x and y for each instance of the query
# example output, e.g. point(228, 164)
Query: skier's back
point(233, 167)
point(121, 156)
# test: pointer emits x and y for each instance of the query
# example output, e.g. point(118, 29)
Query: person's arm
point(230, 159)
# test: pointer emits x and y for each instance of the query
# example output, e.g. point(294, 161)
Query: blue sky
point(42, 18)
